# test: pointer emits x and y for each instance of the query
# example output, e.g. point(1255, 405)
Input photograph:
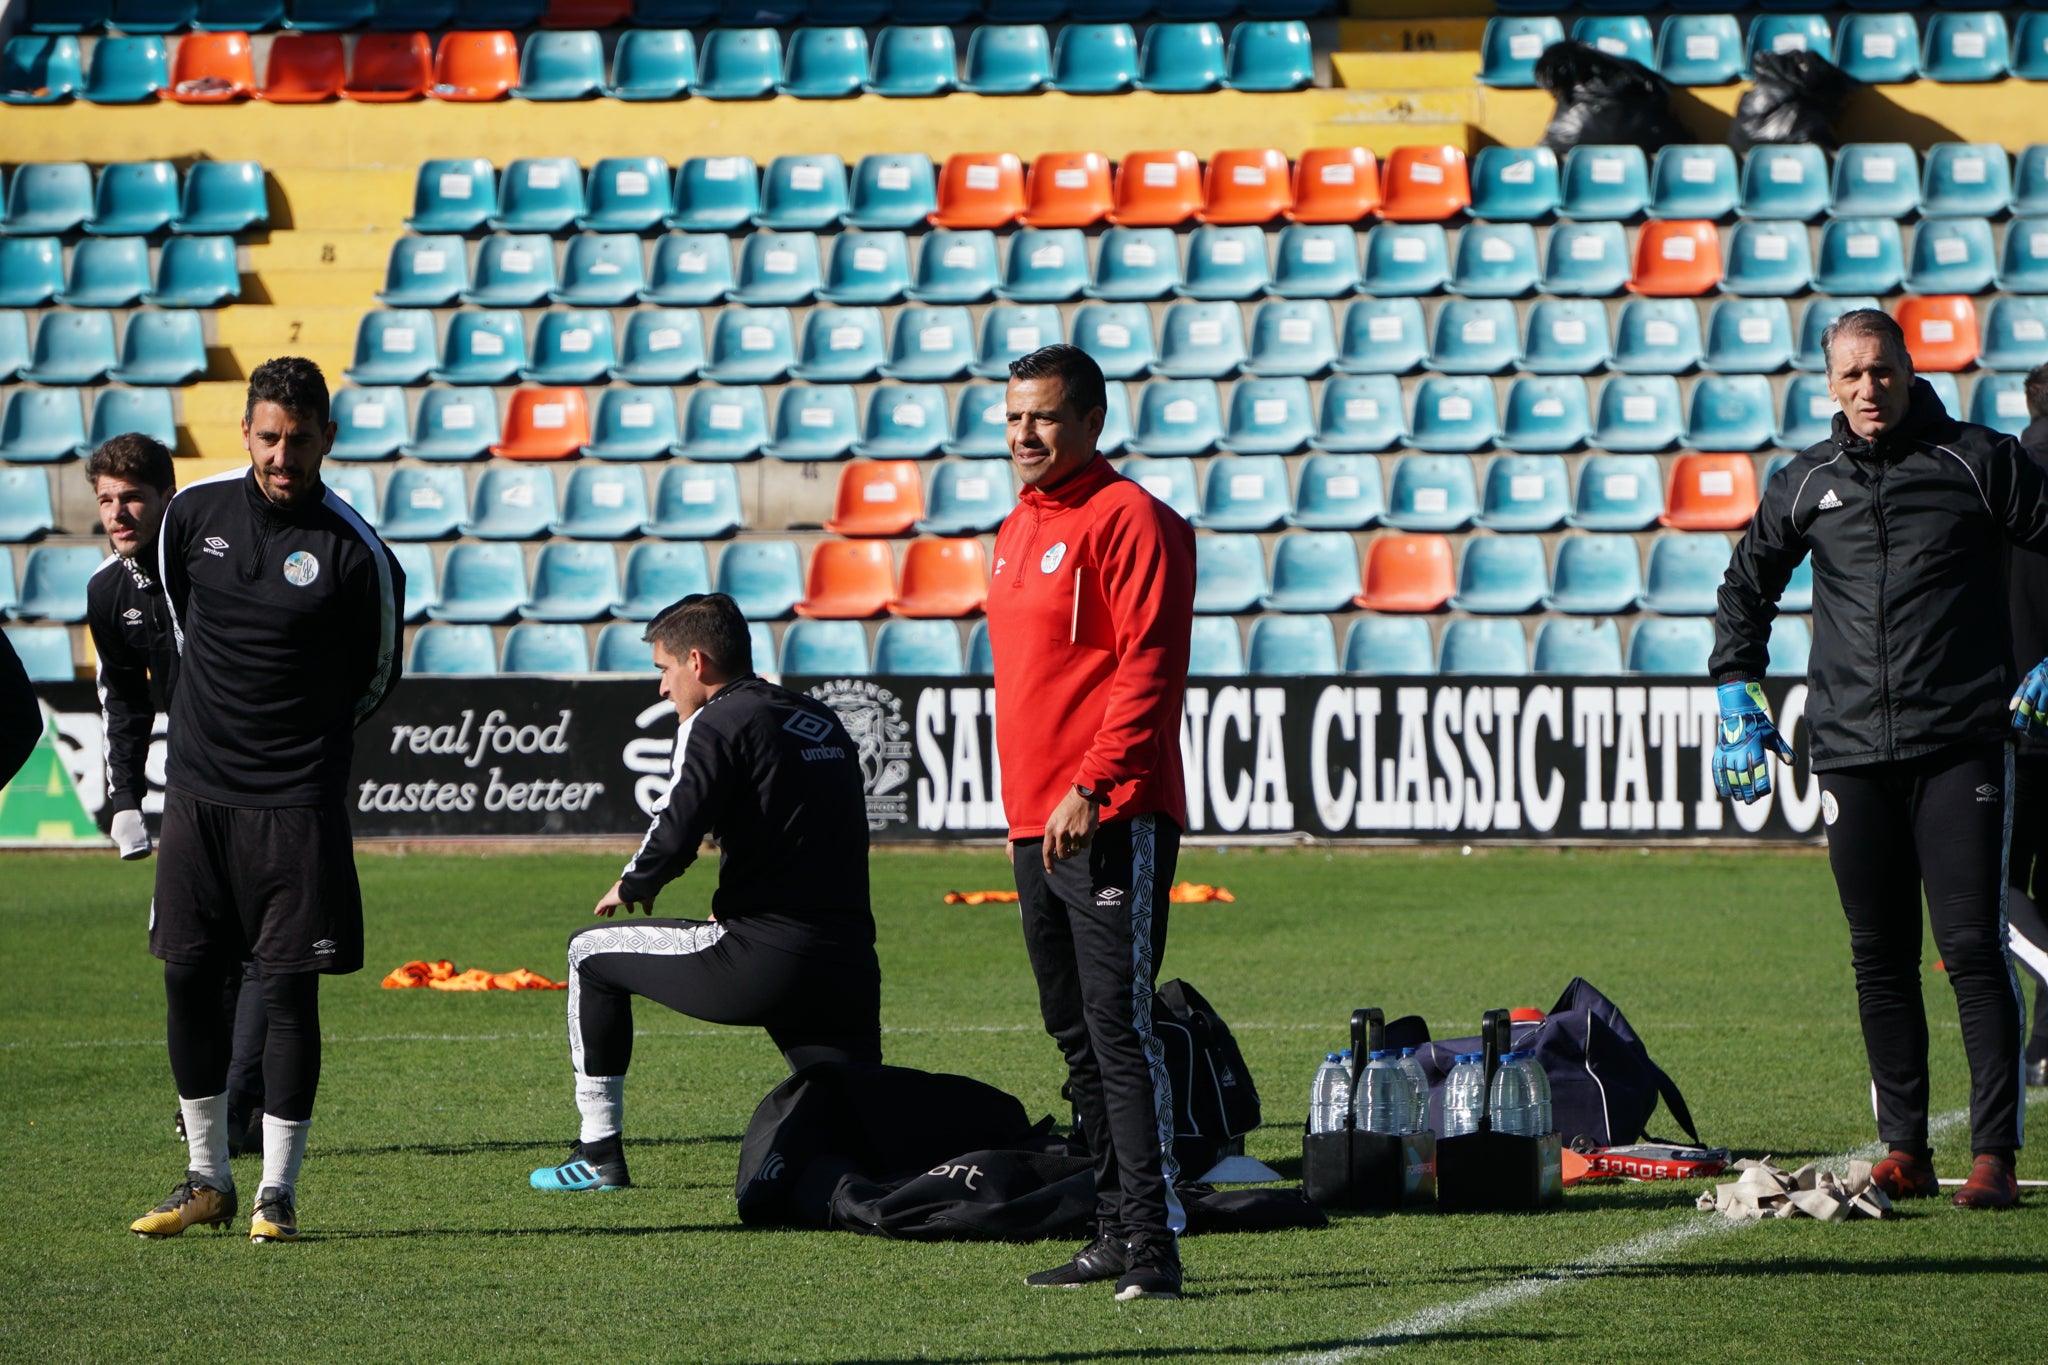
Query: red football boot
point(1991, 1185)
point(1905, 1176)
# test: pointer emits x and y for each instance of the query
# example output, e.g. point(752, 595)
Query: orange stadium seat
point(1336, 185)
point(212, 68)
point(877, 498)
point(544, 424)
point(304, 68)
point(1676, 258)
point(1424, 184)
point(1408, 573)
point(980, 190)
point(1246, 185)
point(1157, 189)
point(390, 67)
point(943, 577)
point(586, 13)
point(1941, 331)
point(473, 67)
point(848, 579)
point(1067, 189)
point(1710, 493)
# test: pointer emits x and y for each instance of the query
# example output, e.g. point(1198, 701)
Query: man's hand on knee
point(612, 902)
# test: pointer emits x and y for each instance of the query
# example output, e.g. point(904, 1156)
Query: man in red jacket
point(1089, 613)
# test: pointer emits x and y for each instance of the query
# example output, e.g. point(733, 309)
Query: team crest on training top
point(1053, 557)
point(300, 569)
point(873, 717)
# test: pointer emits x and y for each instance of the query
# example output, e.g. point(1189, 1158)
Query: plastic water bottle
point(1465, 1095)
point(1541, 1081)
point(1325, 1107)
point(1418, 1088)
point(1515, 1101)
point(1341, 1099)
point(1386, 1104)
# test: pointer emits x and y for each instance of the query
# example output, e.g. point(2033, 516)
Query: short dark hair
point(1865, 322)
point(710, 623)
point(1080, 377)
point(2037, 392)
point(134, 457)
point(294, 384)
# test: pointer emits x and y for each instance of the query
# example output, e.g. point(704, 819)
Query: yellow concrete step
point(1446, 71)
point(333, 199)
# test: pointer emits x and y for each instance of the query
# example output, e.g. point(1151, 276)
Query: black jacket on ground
point(287, 623)
point(138, 652)
point(1911, 637)
point(2028, 586)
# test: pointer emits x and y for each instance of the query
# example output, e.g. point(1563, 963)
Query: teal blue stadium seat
point(539, 194)
point(1501, 575)
point(912, 61)
point(513, 270)
point(566, 65)
point(13, 344)
point(160, 348)
point(1965, 180)
point(195, 272)
point(827, 648)
point(1389, 646)
point(1403, 259)
point(778, 268)
point(1360, 413)
point(369, 423)
point(1514, 184)
point(1116, 421)
point(2030, 46)
point(1749, 336)
point(422, 503)
point(1045, 265)
point(1135, 263)
point(1657, 336)
point(1214, 648)
point(652, 64)
point(2022, 262)
point(453, 194)
point(1178, 417)
point(485, 346)
point(1618, 493)
point(695, 502)
point(127, 70)
point(572, 346)
point(751, 346)
point(1292, 337)
point(1181, 58)
point(1965, 48)
point(1585, 260)
point(133, 198)
point(1604, 183)
point(106, 272)
point(40, 68)
point(7, 593)
point(65, 16)
point(26, 511)
point(966, 500)
point(545, 649)
point(31, 271)
point(453, 424)
point(422, 584)
point(1948, 391)
point(909, 649)
point(1498, 648)
point(891, 191)
point(41, 425)
point(1783, 33)
point(1791, 642)
point(626, 194)
point(660, 346)
point(148, 411)
point(572, 583)
point(1813, 320)
point(715, 194)
point(1807, 413)
point(1010, 331)
point(1860, 256)
point(1590, 649)
point(1785, 181)
point(1200, 341)
point(2015, 336)
point(71, 348)
point(904, 422)
point(1999, 401)
point(815, 423)
point(1315, 261)
point(1693, 181)
point(1118, 336)
point(802, 193)
point(980, 421)
point(1495, 261)
point(1453, 415)
point(480, 584)
point(955, 267)
point(631, 424)
point(1699, 49)
point(824, 63)
point(1618, 35)
point(1007, 59)
point(1510, 46)
point(1676, 648)
point(1247, 494)
point(47, 199)
point(1095, 59)
point(453, 651)
point(1566, 336)
point(425, 272)
point(1878, 49)
point(1337, 493)
point(511, 502)
point(1526, 492)
point(1230, 574)
point(1474, 336)
point(724, 424)
point(53, 580)
point(243, 16)
point(1951, 256)
point(658, 575)
point(866, 268)
point(1730, 412)
point(1225, 262)
point(738, 63)
point(44, 651)
point(1876, 179)
point(1269, 55)
point(1382, 336)
point(981, 660)
point(1432, 492)
point(1684, 573)
point(690, 270)
point(1171, 479)
point(1636, 413)
point(1292, 647)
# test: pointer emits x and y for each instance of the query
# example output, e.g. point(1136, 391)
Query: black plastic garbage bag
point(1795, 99)
point(1606, 100)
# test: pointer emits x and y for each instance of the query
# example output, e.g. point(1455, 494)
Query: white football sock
point(284, 1147)
point(206, 1133)
point(602, 1102)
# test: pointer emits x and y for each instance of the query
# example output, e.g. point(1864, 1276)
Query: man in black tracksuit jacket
point(1907, 514)
point(790, 945)
point(2027, 879)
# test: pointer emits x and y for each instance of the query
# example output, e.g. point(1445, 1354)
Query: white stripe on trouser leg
point(650, 940)
point(1143, 854)
point(2005, 937)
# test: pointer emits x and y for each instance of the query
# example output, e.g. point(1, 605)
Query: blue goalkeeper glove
point(2030, 704)
point(1746, 732)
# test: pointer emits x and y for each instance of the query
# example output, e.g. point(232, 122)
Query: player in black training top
point(790, 945)
point(286, 607)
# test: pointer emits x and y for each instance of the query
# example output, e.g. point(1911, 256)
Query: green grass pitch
point(424, 1242)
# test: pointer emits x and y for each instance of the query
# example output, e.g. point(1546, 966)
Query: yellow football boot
point(274, 1220)
point(191, 1203)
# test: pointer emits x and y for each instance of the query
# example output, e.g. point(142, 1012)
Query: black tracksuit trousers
point(1940, 822)
point(2026, 886)
point(1095, 931)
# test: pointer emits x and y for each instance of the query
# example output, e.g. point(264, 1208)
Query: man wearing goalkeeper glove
point(1907, 514)
point(2026, 881)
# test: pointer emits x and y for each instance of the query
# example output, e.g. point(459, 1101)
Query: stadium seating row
point(115, 272)
point(131, 198)
point(73, 348)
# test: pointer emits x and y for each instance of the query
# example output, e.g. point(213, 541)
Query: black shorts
point(236, 883)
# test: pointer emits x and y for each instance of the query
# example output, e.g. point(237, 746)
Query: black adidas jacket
point(138, 652)
point(1911, 640)
point(287, 624)
point(772, 775)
